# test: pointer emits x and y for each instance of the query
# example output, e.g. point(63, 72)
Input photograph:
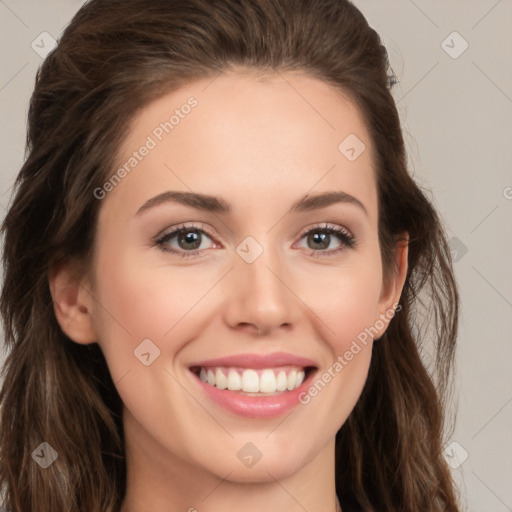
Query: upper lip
point(257, 361)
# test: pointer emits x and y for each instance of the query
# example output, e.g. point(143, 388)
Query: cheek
point(346, 299)
point(135, 303)
point(148, 300)
point(348, 308)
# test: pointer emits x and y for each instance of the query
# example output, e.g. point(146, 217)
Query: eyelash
point(344, 236)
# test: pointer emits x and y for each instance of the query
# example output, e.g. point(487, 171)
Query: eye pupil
point(322, 238)
point(189, 237)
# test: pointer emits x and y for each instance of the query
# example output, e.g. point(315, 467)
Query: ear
point(72, 303)
point(391, 291)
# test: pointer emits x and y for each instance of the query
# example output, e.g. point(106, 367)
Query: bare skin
point(256, 143)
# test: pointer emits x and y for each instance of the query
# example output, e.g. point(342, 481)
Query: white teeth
point(250, 381)
point(221, 381)
point(290, 381)
point(267, 382)
point(281, 381)
point(253, 381)
point(234, 380)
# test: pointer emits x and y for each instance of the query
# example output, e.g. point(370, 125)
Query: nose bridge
point(258, 292)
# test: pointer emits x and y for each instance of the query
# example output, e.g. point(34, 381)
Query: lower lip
point(255, 406)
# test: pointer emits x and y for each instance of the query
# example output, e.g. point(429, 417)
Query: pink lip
point(258, 361)
point(257, 407)
point(262, 407)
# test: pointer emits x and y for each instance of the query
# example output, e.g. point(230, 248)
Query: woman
point(272, 364)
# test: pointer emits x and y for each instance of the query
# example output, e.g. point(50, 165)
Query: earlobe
point(72, 304)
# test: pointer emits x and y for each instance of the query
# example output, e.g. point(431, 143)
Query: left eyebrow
point(219, 205)
point(317, 201)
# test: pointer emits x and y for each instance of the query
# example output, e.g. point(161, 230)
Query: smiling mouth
point(253, 381)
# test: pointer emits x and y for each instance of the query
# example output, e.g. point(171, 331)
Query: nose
point(260, 300)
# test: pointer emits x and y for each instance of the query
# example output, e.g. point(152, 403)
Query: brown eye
point(185, 241)
point(320, 238)
point(190, 239)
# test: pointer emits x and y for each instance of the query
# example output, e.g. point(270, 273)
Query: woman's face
point(266, 286)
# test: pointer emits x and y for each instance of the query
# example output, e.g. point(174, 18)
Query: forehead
point(251, 133)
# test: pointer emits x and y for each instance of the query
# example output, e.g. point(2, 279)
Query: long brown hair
point(114, 58)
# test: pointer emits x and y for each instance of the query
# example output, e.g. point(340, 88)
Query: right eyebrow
point(198, 201)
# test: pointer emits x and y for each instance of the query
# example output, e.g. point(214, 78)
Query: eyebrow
point(218, 205)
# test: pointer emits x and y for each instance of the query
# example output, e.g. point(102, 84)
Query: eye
point(319, 239)
point(189, 240)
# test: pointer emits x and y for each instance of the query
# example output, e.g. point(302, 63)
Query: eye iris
point(191, 237)
point(323, 238)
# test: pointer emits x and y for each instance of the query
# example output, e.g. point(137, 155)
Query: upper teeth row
point(268, 381)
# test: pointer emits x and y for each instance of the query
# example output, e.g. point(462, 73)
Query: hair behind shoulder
point(115, 57)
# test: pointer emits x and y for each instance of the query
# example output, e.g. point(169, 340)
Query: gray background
point(456, 111)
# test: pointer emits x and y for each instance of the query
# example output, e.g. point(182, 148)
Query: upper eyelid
point(326, 226)
point(173, 231)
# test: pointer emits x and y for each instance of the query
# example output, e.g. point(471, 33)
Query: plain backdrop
point(453, 61)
